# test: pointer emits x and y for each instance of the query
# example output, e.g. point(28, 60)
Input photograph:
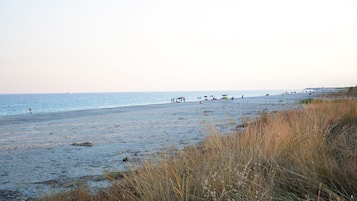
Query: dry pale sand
point(37, 155)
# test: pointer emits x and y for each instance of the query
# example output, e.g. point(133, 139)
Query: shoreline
point(28, 148)
point(95, 111)
point(88, 101)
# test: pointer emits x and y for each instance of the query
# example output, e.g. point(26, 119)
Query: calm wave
point(19, 104)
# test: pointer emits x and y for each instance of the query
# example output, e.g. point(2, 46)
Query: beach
point(42, 153)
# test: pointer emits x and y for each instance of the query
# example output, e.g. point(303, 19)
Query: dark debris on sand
point(84, 144)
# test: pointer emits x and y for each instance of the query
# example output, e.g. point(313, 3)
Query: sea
point(26, 104)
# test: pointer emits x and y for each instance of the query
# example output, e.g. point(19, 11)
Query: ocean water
point(19, 104)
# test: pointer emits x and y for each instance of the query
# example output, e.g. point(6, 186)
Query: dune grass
point(304, 154)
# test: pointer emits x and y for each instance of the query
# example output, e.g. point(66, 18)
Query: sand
point(38, 156)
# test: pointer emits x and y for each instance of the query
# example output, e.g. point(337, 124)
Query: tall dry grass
point(304, 154)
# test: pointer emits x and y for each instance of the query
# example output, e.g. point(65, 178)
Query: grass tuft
point(306, 101)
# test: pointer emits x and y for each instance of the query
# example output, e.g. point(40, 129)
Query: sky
point(185, 45)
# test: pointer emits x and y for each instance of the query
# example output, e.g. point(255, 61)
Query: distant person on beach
point(30, 110)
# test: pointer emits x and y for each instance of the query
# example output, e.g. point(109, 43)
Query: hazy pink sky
point(109, 46)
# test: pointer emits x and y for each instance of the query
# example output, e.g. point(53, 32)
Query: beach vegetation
point(344, 93)
point(306, 101)
point(308, 153)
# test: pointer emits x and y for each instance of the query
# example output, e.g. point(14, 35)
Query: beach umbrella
point(225, 96)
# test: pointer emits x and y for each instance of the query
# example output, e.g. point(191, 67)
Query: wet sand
point(38, 156)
